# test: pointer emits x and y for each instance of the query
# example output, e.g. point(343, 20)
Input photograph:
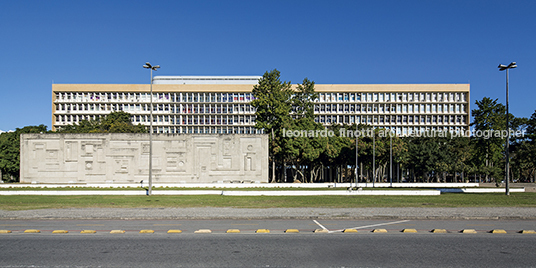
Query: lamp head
point(503, 67)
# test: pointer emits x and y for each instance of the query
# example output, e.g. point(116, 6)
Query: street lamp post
point(503, 67)
point(356, 163)
point(152, 68)
point(373, 157)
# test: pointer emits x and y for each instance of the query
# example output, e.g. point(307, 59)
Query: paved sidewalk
point(274, 213)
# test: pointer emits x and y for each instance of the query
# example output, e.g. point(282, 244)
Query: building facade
point(220, 105)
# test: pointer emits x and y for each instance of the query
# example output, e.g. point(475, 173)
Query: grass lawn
point(443, 200)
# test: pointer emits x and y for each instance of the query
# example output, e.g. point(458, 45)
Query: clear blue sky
point(329, 42)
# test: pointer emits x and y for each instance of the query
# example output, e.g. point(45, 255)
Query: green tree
point(302, 152)
point(10, 151)
point(273, 108)
point(489, 151)
point(523, 150)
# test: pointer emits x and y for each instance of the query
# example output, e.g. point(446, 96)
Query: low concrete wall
point(124, 158)
point(226, 193)
point(242, 184)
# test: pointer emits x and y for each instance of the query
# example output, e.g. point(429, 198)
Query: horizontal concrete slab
point(482, 190)
point(243, 184)
point(226, 193)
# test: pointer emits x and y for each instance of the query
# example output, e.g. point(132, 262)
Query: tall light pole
point(503, 67)
point(356, 155)
point(373, 157)
point(153, 68)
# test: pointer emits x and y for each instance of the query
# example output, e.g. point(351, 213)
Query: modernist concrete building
point(220, 104)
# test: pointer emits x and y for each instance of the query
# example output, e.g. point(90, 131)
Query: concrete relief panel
point(124, 158)
point(71, 151)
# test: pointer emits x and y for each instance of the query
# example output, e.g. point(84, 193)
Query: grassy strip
point(99, 201)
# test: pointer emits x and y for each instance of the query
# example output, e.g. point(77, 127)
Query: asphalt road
point(274, 225)
point(268, 250)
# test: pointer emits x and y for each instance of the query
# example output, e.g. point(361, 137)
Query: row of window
point(170, 108)
point(246, 108)
point(157, 97)
point(403, 131)
point(250, 120)
point(207, 130)
point(169, 119)
point(393, 97)
point(386, 120)
point(247, 97)
point(390, 108)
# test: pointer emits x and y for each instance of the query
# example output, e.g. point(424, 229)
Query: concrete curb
point(225, 193)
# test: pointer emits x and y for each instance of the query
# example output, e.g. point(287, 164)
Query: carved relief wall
point(124, 158)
